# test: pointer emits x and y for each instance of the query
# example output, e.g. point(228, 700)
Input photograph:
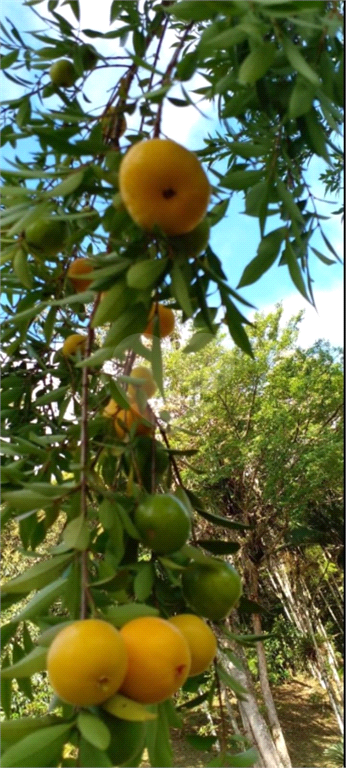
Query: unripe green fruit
point(45, 237)
point(194, 242)
point(62, 73)
point(212, 590)
point(89, 56)
point(163, 523)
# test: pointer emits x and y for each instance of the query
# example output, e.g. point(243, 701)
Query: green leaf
point(145, 274)
point(52, 397)
point(127, 709)
point(179, 289)
point(198, 341)
point(22, 269)
point(192, 10)
point(158, 741)
point(67, 186)
point(257, 199)
point(48, 635)
point(295, 271)
point(204, 743)
point(38, 749)
point(156, 357)
point(218, 547)
point(256, 64)
point(219, 519)
point(130, 323)
point(330, 247)
point(228, 680)
point(241, 179)
point(121, 614)
point(35, 661)
point(16, 729)
point(144, 580)
point(248, 149)
point(243, 759)
point(267, 253)
point(90, 756)
point(42, 600)
point(298, 62)
point(323, 258)
point(7, 632)
point(249, 606)
point(6, 689)
point(234, 322)
point(288, 200)
point(223, 40)
point(76, 534)
point(94, 730)
point(316, 134)
point(301, 98)
point(9, 59)
point(187, 66)
point(37, 576)
point(112, 305)
point(24, 113)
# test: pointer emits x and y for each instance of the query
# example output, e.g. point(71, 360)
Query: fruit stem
point(166, 77)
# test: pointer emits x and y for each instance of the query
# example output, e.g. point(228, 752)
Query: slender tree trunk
point(274, 723)
point(255, 724)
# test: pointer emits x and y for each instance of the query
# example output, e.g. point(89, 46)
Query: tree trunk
point(274, 723)
point(255, 724)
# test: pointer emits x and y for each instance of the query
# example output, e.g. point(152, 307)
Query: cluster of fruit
point(147, 660)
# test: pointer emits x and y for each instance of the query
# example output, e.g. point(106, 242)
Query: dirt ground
point(306, 718)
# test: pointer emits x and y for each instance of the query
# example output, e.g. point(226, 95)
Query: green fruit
point(212, 590)
point(163, 523)
point(45, 236)
point(194, 242)
point(127, 738)
point(89, 56)
point(62, 73)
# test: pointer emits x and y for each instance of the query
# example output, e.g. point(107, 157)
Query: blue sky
point(236, 238)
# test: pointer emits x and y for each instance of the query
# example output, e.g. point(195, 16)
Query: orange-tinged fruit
point(87, 662)
point(124, 420)
point(163, 523)
point(159, 659)
point(77, 268)
point(149, 386)
point(73, 342)
point(111, 408)
point(166, 321)
point(162, 183)
point(62, 73)
point(200, 639)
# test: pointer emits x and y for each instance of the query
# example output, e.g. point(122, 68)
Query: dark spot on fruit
point(180, 669)
point(168, 193)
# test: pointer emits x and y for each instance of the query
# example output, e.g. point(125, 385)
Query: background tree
point(275, 71)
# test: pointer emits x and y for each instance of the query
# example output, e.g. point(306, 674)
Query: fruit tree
point(107, 220)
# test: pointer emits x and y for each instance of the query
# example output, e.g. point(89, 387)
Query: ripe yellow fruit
point(200, 639)
point(163, 183)
point(166, 321)
point(130, 417)
point(73, 343)
point(80, 267)
point(142, 372)
point(62, 73)
point(159, 659)
point(87, 662)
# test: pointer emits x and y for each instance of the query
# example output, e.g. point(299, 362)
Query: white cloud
point(326, 323)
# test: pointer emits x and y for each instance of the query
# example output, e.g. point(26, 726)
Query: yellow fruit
point(73, 343)
point(163, 183)
point(149, 387)
point(159, 659)
point(62, 73)
point(80, 267)
point(111, 408)
point(200, 639)
point(87, 662)
point(130, 417)
point(166, 321)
